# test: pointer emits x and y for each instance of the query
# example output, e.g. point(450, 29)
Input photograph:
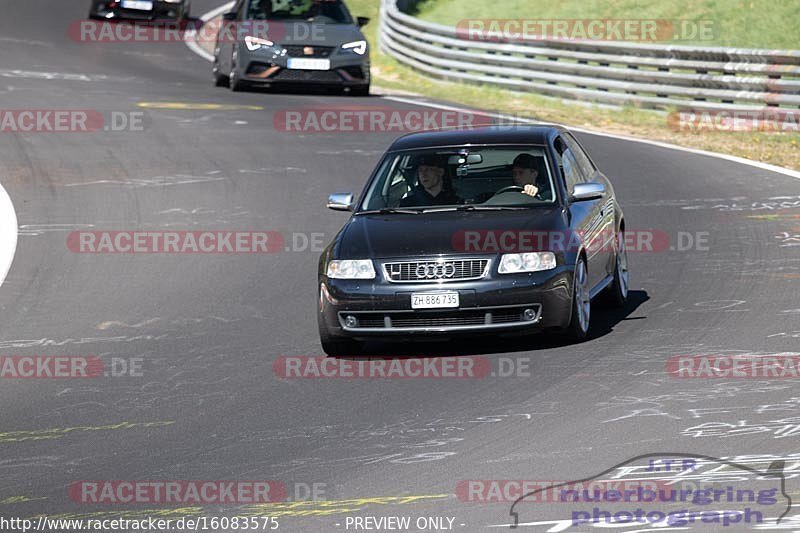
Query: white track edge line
point(8, 233)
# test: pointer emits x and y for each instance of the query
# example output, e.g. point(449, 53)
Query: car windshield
point(318, 11)
point(466, 178)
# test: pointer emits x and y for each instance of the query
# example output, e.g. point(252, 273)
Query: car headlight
point(530, 262)
point(359, 47)
point(256, 43)
point(351, 269)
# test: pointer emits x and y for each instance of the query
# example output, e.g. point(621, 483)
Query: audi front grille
point(436, 270)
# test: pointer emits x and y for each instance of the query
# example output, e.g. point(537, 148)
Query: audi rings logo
point(435, 270)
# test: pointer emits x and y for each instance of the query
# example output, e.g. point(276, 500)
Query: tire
point(220, 80)
point(337, 346)
point(360, 90)
point(618, 291)
point(234, 83)
point(581, 314)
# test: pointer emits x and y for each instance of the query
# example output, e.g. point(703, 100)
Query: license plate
point(309, 64)
point(141, 5)
point(434, 300)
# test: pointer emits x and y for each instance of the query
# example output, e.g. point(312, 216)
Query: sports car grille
point(436, 270)
point(299, 50)
point(323, 76)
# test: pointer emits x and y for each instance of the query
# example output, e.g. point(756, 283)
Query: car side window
point(569, 165)
point(586, 167)
point(392, 189)
point(572, 173)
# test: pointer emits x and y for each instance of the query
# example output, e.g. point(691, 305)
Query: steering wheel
point(510, 188)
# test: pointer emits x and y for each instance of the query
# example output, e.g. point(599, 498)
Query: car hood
point(317, 34)
point(402, 235)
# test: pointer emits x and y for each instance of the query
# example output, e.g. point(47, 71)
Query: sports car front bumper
point(498, 303)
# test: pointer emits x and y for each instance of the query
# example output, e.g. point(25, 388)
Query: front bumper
point(495, 304)
point(113, 10)
point(271, 66)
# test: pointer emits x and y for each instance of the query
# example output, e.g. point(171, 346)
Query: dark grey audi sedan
point(292, 42)
point(493, 230)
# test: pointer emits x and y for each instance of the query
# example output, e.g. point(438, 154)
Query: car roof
point(510, 134)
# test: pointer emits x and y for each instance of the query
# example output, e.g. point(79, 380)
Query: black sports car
point(292, 42)
point(140, 9)
point(493, 230)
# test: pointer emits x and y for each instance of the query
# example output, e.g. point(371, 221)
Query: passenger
point(433, 187)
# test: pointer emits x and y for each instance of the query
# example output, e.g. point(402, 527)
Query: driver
point(433, 188)
point(525, 174)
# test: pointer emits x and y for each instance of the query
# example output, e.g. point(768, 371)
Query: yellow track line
point(277, 509)
point(57, 433)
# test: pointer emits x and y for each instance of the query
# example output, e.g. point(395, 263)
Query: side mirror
point(588, 191)
point(362, 21)
point(230, 16)
point(341, 201)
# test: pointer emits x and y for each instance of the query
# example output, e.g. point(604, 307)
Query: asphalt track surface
point(207, 405)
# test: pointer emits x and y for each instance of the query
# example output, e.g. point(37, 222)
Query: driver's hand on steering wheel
point(530, 190)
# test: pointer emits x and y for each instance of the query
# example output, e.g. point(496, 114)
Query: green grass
point(778, 149)
point(739, 23)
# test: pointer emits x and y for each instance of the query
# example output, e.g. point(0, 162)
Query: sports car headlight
point(530, 262)
point(359, 47)
point(351, 269)
point(256, 43)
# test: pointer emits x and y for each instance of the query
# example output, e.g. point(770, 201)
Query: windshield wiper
point(475, 208)
point(390, 211)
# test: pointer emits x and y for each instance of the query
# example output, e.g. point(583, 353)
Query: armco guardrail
point(646, 75)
